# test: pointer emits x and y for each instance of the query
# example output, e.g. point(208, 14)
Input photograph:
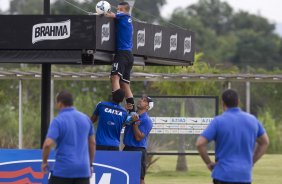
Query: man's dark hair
point(126, 4)
point(230, 98)
point(118, 96)
point(65, 98)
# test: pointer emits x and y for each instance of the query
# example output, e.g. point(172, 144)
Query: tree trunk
point(181, 159)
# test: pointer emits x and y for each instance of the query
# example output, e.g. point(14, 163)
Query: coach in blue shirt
point(123, 60)
point(111, 117)
point(235, 134)
point(73, 134)
point(136, 134)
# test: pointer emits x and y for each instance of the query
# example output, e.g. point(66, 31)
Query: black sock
point(114, 91)
point(131, 101)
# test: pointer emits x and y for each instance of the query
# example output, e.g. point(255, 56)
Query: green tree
point(226, 37)
point(71, 7)
point(258, 45)
point(26, 7)
point(266, 117)
point(213, 14)
point(9, 126)
point(188, 87)
point(9, 114)
point(148, 10)
point(253, 50)
point(244, 20)
point(208, 38)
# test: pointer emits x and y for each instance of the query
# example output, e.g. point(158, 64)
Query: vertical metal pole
point(229, 85)
point(45, 89)
point(216, 106)
point(248, 96)
point(131, 4)
point(52, 99)
point(46, 8)
point(20, 116)
point(45, 100)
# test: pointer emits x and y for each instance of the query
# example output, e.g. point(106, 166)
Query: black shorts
point(215, 181)
point(107, 148)
point(59, 180)
point(122, 65)
point(143, 158)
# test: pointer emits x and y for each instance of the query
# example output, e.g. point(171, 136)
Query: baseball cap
point(150, 102)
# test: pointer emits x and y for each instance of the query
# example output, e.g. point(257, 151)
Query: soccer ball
point(103, 7)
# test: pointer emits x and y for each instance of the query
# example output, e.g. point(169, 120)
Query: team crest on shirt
point(113, 111)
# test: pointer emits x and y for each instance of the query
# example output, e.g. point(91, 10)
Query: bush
point(266, 117)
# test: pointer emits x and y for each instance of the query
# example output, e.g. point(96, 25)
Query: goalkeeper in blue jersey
point(123, 60)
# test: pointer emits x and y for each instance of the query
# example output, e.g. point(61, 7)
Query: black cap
point(118, 95)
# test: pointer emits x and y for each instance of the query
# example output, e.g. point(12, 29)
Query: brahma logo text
point(51, 31)
point(29, 172)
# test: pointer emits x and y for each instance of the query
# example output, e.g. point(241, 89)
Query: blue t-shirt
point(71, 130)
point(111, 116)
point(124, 31)
point(145, 127)
point(235, 133)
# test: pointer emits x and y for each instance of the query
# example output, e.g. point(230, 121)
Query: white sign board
point(179, 125)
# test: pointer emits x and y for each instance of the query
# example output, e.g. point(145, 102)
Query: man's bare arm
point(261, 147)
point(201, 145)
point(138, 135)
point(48, 144)
point(94, 118)
point(92, 148)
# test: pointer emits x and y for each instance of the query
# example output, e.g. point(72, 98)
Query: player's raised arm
point(110, 14)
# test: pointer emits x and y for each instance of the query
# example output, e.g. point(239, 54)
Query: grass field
point(267, 170)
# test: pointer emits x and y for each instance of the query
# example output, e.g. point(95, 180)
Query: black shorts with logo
point(107, 148)
point(59, 180)
point(143, 158)
point(215, 181)
point(122, 65)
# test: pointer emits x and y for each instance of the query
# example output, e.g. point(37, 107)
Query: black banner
point(141, 38)
point(105, 33)
point(32, 32)
point(90, 32)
